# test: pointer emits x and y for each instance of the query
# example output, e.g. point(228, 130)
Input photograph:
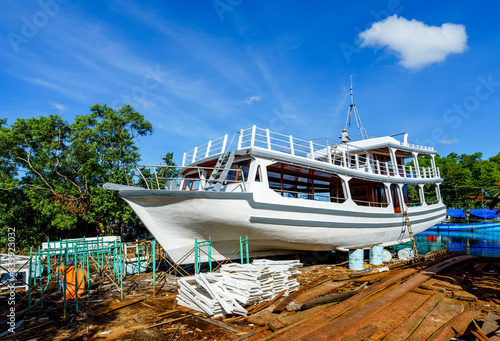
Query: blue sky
point(200, 69)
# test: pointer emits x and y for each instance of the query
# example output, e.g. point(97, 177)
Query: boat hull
point(273, 225)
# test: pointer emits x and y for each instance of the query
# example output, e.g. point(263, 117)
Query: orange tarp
point(75, 283)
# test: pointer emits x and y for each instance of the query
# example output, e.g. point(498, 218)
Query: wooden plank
point(320, 290)
point(384, 321)
point(464, 296)
point(331, 298)
point(279, 308)
point(491, 325)
point(221, 325)
point(479, 333)
point(444, 312)
point(312, 319)
point(252, 334)
point(264, 305)
point(405, 329)
point(332, 329)
point(456, 325)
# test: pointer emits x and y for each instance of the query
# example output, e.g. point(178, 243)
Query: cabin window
point(296, 182)
point(239, 171)
point(431, 194)
point(411, 195)
point(368, 193)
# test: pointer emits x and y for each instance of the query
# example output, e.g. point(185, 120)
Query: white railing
point(167, 178)
point(213, 147)
point(324, 149)
point(416, 146)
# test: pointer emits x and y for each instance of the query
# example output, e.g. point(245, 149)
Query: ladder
point(410, 232)
point(219, 174)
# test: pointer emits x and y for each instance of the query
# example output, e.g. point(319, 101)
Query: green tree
point(51, 173)
point(104, 149)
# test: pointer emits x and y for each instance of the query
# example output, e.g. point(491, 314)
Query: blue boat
point(458, 219)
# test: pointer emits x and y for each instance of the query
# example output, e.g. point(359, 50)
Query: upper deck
point(381, 156)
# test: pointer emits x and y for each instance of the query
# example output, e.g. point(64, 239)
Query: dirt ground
point(102, 315)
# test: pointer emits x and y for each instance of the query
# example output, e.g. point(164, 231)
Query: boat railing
point(167, 177)
point(431, 201)
point(325, 150)
point(416, 146)
point(210, 148)
point(264, 138)
point(370, 203)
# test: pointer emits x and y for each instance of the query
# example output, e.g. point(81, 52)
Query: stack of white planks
point(217, 294)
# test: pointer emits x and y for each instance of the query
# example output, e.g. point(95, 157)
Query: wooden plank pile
point(237, 285)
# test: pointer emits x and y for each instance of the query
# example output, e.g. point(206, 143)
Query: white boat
point(287, 194)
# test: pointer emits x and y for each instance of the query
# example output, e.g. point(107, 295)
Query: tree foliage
point(467, 175)
point(52, 172)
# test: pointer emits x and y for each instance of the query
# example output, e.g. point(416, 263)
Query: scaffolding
point(67, 266)
point(62, 271)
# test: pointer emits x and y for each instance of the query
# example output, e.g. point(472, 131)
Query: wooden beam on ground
point(329, 329)
point(265, 304)
point(252, 334)
point(444, 312)
point(279, 308)
point(378, 325)
point(291, 328)
point(220, 325)
point(458, 324)
point(320, 290)
point(491, 325)
point(405, 329)
point(331, 298)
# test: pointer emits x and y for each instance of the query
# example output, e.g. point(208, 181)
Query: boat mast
point(353, 110)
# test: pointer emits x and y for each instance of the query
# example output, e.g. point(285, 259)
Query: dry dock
point(438, 296)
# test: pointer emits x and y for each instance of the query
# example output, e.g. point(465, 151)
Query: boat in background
point(473, 219)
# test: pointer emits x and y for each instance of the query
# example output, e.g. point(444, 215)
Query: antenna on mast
point(357, 120)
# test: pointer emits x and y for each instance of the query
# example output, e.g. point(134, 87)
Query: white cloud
point(59, 106)
point(415, 43)
point(453, 141)
point(251, 99)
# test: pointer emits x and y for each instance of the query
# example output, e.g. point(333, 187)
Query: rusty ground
point(438, 297)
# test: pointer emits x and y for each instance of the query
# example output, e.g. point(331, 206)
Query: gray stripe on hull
point(133, 192)
point(315, 223)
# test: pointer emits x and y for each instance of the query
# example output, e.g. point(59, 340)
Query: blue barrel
point(376, 255)
point(356, 259)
